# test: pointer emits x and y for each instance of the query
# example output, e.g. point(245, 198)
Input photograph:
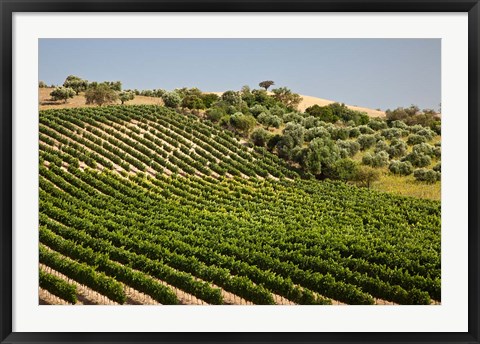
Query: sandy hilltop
point(79, 101)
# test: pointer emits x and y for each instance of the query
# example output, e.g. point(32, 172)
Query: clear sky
point(375, 73)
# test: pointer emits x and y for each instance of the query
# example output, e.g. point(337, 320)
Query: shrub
point(364, 129)
point(354, 132)
point(310, 122)
point(171, 99)
point(366, 141)
point(260, 137)
point(393, 133)
point(438, 167)
point(427, 133)
point(415, 128)
point(315, 132)
point(215, 114)
point(418, 159)
point(351, 147)
point(62, 93)
point(377, 124)
point(294, 117)
point(398, 124)
point(269, 120)
point(339, 133)
point(277, 111)
point(343, 169)
point(415, 139)
point(403, 168)
point(379, 159)
point(380, 146)
point(428, 176)
point(243, 123)
point(424, 148)
point(397, 148)
point(257, 110)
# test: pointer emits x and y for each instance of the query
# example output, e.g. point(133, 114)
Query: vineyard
point(142, 205)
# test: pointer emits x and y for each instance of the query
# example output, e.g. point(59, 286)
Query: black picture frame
point(8, 7)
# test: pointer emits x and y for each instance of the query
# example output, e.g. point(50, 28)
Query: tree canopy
point(100, 93)
point(76, 83)
point(62, 93)
point(266, 84)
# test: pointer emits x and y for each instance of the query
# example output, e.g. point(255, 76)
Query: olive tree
point(243, 123)
point(126, 96)
point(76, 83)
point(260, 137)
point(62, 93)
point(100, 94)
point(403, 168)
point(171, 99)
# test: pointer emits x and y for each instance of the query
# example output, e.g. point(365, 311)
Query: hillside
point(79, 101)
point(140, 204)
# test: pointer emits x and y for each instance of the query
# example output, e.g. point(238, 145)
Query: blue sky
point(375, 73)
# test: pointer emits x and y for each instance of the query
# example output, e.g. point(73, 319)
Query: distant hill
point(79, 101)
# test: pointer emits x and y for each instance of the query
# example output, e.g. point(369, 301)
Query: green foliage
point(415, 139)
point(393, 133)
point(343, 169)
point(260, 137)
point(377, 124)
point(354, 132)
point(243, 123)
point(257, 109)
point(379, 159)
point(413, 116)
point(266, 84)
point(334, 112)
point(364, 129)
point(193, 102)
point(42, 84)
point(172, 99)
point(286, 97)
point(62, 93)
point(294, 117)
point(339, 133)
point(320, 154)
point(215, 114)
point(423, 148)
point(58, 287)
point(349, 147)
point(209, 99)
point(398, 124)
point(427, 133)
point(100, 94)
point(296, 132)
point(126, 96)
point(232, 98)
point(397, 148)
point(380, 146)
point(418, 158)
point(252, 237)
point(366, 175)
point(425, 175)
point(323, 113)
point(366, 141)
point(76, 83)
point(269, 120)
point(403, 168)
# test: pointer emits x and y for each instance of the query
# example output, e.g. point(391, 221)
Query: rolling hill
point(141, 204)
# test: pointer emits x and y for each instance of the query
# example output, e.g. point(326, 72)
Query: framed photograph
point(250, 172)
